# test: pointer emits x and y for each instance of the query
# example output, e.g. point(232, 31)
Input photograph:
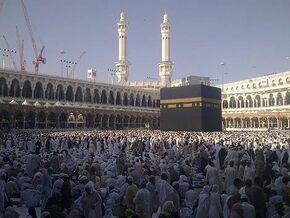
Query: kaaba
point(190, 108)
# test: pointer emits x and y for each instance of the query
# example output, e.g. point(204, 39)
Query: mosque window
point(280, 82)
point(273, 83)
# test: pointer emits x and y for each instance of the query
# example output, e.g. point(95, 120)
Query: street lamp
point(5, 54)
point(62, 52)
point(111, 75)
point(222, 65)
point(68, 65)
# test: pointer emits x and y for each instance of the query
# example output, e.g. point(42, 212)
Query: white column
point(165, 67)
point(122, 65)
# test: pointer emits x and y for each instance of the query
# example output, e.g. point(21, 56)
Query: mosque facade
point(257, 103)
point(42, 101)
point(29, 100)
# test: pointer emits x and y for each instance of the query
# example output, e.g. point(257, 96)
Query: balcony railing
point(56, 103)
point(277, 107)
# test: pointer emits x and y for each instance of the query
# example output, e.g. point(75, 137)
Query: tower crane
point(21, 50)
point(10, 52)
point(75, 64)
point(38, 56)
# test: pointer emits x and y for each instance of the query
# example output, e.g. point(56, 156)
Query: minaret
point(122, 65)
point(165, 67)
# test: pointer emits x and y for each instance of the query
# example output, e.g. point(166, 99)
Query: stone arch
point(3, 87)
point(233, 102)
point(255, 122)
point(225, 104)
point(69, 94)
point(247, 122)
point(4, 119)
point(287, 98)
point(38, 90)
point(15, 88)
point(143, 121)
point(89, 121)
point(118, 99)
point(111, 121)
point(63, 120)
point(158, 104)
point(143, 102)
point(27, 90)
point(249, 101)
point(105, 121)
point(273, 82)
point(132, 122)
point(49, 93)
point(271, 100)
point(149, 101)
point(40, 120)
point(273, 122)
point(125, 99)
point(238, 122)
point(284, 123)
point(104, 97)
point(279, 99)
point(280, 81)
point(126, 121)
point(263, 122)
point(137, 102)
point(96, 96)
point(111, 97)
point(88, 96)
point(154, 103)
point(131, 102)
point(19, 119)
point(51, 120)
point(241, 103)
point(224, 123)
point(98, 121)
point(118, 121)
point(79, 95)
point(257, 102)
point(138, 122)
point(59, 95)
point(30, 120)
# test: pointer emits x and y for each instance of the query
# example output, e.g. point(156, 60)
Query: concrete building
point(257, 103)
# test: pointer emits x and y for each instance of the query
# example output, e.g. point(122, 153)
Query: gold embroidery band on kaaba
point(189, 100)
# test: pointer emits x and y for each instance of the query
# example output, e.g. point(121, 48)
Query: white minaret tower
point(122, 65)
point(165, 67)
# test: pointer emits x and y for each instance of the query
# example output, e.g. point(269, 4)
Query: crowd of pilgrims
point(144, 173)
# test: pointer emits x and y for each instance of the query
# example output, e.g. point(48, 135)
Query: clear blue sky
point(251, 36)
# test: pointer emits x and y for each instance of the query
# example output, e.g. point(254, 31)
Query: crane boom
point(38, 56)
point(28, 24)
point(74, 67)
point(21, 50)
point(10, 52)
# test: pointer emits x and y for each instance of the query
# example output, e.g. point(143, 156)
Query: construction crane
point(21, 50)
point(75, 64)
point(38, 56)
point(10, 52)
